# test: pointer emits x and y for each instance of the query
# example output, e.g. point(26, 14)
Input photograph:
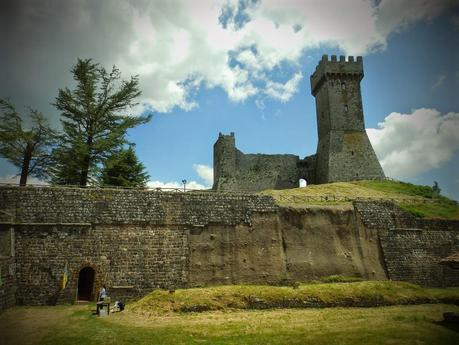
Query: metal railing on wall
point(146, 188)
point(44, 185)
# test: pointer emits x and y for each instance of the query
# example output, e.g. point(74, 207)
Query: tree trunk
point(85, 164)
point(84, 171)
point(26, 164)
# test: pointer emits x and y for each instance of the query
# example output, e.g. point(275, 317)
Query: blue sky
point(243, 66)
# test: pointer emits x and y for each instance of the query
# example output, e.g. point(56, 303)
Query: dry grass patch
point(232, 297)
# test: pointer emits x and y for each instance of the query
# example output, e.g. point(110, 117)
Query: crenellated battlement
point(342, 58)
point(225, 136)
point(336, 67)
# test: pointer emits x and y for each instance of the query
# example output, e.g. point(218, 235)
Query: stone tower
point(344, 152)
point(224, 161)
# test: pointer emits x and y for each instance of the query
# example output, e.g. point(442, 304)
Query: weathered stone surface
point(234, 170)
point(413, 248)
point(8, 284)
point(111, 206)
point(240, 254)
point(144, 257)
point(137, 241)
point(327, 241)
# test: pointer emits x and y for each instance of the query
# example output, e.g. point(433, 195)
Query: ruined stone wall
point(234, 170)
point(413, 247)
point(260, 172)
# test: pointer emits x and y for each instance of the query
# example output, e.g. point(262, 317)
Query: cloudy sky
point(208, 66)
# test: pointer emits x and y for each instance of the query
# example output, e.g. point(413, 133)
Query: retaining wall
point(137, 241)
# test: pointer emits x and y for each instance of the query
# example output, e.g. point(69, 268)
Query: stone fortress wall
point(138, 240)
point(8, 283)
point(234, 170)
point(344, 152)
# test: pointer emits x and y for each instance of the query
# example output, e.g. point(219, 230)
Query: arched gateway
point(86, 279)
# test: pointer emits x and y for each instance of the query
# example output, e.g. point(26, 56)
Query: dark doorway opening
point(86, 284)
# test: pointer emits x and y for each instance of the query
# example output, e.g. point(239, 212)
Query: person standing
point(102, 293)
point(100, 298)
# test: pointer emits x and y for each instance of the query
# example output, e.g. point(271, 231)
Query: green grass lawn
point(384, 325)
point(226, 316)
point(421, 201)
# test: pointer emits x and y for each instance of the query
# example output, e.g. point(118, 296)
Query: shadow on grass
point(449, 325)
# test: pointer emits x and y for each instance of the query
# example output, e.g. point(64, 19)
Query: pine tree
point(124, 169)
point(94, 119)
point(436, 189)
point(28, 149)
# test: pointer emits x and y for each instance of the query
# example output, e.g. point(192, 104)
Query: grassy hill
point(418, 200)
point(312, 295)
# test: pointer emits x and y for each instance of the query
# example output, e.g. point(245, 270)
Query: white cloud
point(176, 185)
point(205, 172)
point(410, 144)
point(202, 170)
point(283, 92)
point(179, 46)
point(14, 179)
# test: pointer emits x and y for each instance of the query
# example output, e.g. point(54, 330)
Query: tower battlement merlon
point(225, 137)
point(333, 66)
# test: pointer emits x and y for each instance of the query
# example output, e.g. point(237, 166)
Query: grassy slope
point(419, 200)
point(355, 294)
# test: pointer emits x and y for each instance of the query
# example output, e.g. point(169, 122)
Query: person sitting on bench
point(102, 296)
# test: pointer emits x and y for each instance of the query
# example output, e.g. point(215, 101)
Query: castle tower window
point(346, 108)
